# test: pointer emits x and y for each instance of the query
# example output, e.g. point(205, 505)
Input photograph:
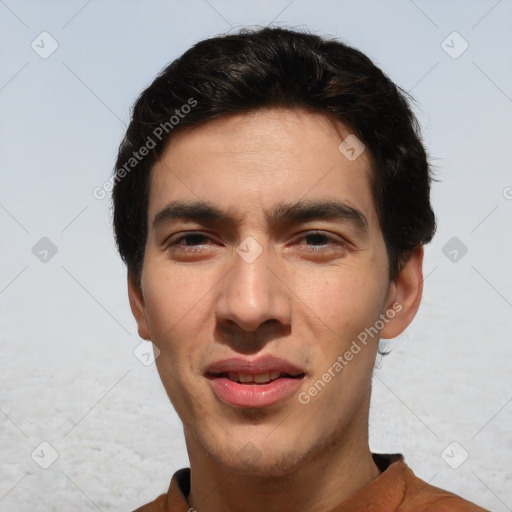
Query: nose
point(254, 302)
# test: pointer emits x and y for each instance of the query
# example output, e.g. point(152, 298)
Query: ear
point(138, 307)
point(405, 295)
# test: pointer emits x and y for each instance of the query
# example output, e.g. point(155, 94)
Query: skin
point(303, 299)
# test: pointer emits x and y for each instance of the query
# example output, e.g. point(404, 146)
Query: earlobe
point(138, 307)
point(407, 290)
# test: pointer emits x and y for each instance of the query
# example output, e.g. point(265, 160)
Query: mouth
point(258, 379)
point(256, 383)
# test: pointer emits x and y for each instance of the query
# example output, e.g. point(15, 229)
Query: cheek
point(175, 309)
point(174, 301)
point(344, 302)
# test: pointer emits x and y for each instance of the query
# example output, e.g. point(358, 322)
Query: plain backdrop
point(69, 375)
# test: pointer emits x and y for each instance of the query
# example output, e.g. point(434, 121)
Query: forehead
point(253, 161)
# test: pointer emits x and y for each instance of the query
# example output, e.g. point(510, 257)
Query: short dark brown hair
point(276, 67)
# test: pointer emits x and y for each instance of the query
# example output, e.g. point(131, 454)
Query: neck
point(317, 483)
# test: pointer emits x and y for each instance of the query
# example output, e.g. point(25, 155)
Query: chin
point(259, 459)
point(274, 465)
point(259, 449)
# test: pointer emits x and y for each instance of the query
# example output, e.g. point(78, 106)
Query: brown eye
point(190, 239)
point(321, 238)
point(317, 238)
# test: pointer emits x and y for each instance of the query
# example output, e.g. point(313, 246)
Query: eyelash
point(330, 238)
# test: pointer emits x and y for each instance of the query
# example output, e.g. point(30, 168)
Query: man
point(271, 203)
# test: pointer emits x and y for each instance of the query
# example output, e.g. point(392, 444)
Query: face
point(264, 263)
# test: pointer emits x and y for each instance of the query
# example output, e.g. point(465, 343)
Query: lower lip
point(254, 395)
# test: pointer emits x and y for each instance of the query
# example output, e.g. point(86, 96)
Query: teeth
point(258, 379)
point(262, 377)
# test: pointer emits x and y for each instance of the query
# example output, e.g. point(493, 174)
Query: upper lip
point(262, 364)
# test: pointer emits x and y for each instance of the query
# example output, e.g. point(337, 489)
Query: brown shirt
point(397, 489)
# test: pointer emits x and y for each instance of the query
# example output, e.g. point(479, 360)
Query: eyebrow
point(290, 213)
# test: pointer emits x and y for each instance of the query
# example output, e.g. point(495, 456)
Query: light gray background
point(68, 373)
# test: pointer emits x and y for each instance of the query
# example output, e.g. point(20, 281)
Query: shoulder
point(423, 497)
point(158, 505)
point(176, 497)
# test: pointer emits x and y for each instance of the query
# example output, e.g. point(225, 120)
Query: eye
point(321, 242)
point(311, 242)
point(192, 239)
